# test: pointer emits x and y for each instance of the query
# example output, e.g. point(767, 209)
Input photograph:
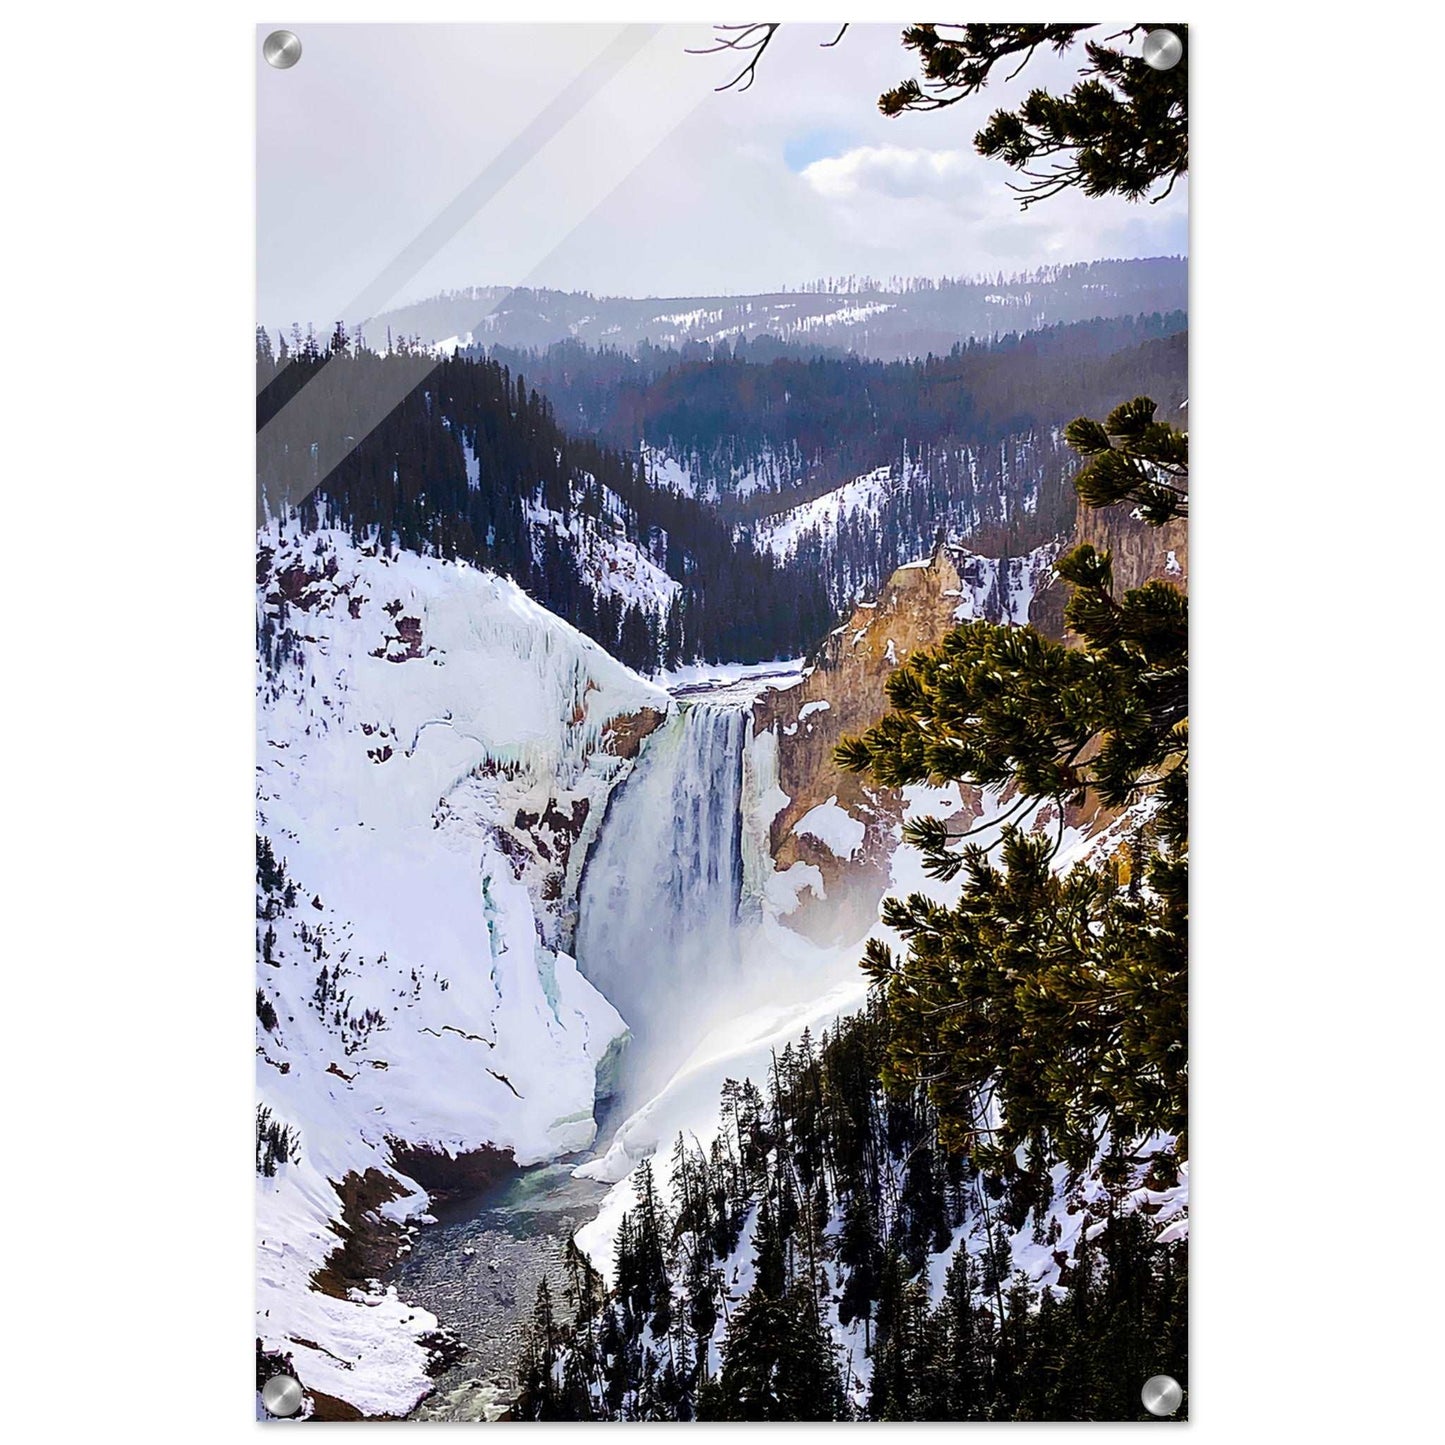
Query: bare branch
point(1015, 72)
point(1154, 200)
point(751, 40)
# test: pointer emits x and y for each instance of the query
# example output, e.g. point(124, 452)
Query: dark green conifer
point(1060, 998)
point(1121, 130)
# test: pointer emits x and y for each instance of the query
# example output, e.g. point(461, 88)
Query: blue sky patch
point(801, 151)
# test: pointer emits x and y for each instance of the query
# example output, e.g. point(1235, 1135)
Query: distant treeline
point(900, 317)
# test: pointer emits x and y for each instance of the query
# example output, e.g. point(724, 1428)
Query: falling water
point(657, 922)
point(659, 933)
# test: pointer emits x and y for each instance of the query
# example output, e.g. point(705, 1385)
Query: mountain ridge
point(871, 318)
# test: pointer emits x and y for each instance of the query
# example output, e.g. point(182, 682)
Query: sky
point(394, 162)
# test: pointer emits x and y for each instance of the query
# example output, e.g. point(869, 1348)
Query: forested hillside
point(844, 469)
point(757, 435)
point(700, 506)
point(825, 1258)
point(460, 459)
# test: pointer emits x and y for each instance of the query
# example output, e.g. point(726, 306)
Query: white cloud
point(899, 208)
point(889, 170)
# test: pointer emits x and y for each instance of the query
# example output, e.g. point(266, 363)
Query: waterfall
point(657, 922)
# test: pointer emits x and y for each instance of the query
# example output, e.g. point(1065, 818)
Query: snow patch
point(834, 827)
point(784, 889)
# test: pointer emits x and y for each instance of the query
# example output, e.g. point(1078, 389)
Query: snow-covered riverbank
point(434, 752)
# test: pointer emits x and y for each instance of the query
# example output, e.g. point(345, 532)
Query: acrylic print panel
point(722, 701)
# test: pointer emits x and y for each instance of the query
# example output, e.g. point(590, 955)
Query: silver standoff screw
point(1161, 1394)
point(1163, 49)
point(282, 49)
point(281, 1395)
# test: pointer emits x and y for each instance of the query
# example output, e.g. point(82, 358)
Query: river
point(477, 1269)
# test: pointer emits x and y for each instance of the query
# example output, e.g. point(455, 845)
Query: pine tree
point(538, 1396)
point(1123, 129)
point(901, 1313)
point(858, 1249)
point(770, 1274)
point(779, 1363)
point(1060, 997)
point(1133, 458)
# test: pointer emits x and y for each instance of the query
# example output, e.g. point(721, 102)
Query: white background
point(127, 479)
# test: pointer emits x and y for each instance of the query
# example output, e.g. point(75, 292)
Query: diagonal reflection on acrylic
point(314, 408)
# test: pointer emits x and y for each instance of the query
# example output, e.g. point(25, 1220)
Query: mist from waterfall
point(658, 926)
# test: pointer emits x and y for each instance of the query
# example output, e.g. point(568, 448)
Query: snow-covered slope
point(986, 485)
point(604, 558)
point(860, 498)
point(857, 533)
point(434, 752)
point(712, 477)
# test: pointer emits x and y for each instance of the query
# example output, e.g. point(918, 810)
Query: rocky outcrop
point(1140, 554)
point(623, 735)
point(442, 1173)
point(842, 695)
point(840, 826)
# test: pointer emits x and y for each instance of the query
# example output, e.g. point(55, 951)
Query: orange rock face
point(843, 695)
point(914, 610)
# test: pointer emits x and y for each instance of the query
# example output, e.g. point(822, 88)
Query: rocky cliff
point(1140, 553)
point(838, 825)
point(834, 833)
